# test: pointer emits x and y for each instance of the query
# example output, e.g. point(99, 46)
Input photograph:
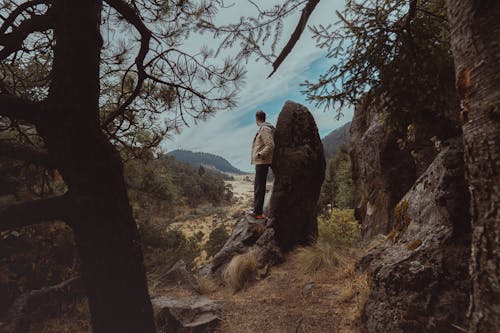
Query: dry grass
point(207, 285)
point(338, 236)
point(321, 255)
point(240, 271)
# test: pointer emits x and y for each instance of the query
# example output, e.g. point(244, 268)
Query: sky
point(230, 133)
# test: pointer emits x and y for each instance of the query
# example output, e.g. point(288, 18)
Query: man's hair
point(260, 115)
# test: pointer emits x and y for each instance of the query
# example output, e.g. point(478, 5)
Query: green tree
point(397, 52)
point(337, 189)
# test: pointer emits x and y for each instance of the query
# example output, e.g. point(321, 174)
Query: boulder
point(420, 279)
point(248, 234)
point(189, 314)
point(299, 170)
point(178, 275)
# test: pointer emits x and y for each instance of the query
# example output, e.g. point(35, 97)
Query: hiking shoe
point(257, 216)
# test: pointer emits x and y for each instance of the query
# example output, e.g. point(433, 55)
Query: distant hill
point(337, 137)
point(206, 159)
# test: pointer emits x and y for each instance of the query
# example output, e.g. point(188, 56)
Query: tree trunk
point(105, 231)
point(475, 38)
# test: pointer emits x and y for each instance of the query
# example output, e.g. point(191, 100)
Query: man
point(262, 157)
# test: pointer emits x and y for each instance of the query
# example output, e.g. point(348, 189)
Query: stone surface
point(190, 314)
point(299, 170)
point(382, 172)
point(249, 234)
point(420, 279)
point(178, 275)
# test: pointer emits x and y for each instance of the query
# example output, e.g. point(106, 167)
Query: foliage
point(34, 257)
point(216, 240)
point(193, 188)
point(338, 234)
point(165, 184)
point(397, 50)
point(163, 248)
point(338, 187)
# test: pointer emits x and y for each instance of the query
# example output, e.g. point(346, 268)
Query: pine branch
point(131, 16)
point(306, 13)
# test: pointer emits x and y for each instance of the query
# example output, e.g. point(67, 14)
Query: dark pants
point(259, 187)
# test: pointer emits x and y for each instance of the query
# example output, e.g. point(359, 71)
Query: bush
point(162, 249)
point(216, 240)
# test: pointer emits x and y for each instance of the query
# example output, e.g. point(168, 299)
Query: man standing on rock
point(262, 157)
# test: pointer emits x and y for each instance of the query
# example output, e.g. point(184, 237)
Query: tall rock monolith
point(299, 171)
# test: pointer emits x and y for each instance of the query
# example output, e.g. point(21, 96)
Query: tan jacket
point(263, 145)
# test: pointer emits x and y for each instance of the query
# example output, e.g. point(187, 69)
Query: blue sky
point(230, 133)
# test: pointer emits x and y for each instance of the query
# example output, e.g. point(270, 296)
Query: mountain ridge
point(205, 159)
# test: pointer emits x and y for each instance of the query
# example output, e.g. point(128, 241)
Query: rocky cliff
point(420, 272)
point(410, 186)
point(382, 172)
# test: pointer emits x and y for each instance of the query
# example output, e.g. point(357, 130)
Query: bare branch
point(18, 108)
point(13, 41)
point(306, 13)
point(16, 12)
point(14, 150)
point(133, 18)
point(34, 212)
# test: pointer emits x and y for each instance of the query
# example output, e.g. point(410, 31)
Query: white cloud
point(220, 134)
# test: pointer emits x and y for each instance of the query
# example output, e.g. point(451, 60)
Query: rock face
point(382, 172)
point(420, 273)
point(386, 161)
point(249, 235)
point(182, 315)
point(299, 171)
point(178, 275)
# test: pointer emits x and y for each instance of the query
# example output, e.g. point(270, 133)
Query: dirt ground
point(289, 300)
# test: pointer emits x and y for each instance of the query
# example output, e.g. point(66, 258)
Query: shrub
point(162, 249)
point(216, 240)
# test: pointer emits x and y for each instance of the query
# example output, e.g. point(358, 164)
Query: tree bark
point(101, 217)
point(475, 39)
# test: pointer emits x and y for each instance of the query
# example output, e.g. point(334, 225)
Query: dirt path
point(289, 300)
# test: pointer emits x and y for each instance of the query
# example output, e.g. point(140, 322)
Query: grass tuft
point(241, 270)
point(338, 236)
